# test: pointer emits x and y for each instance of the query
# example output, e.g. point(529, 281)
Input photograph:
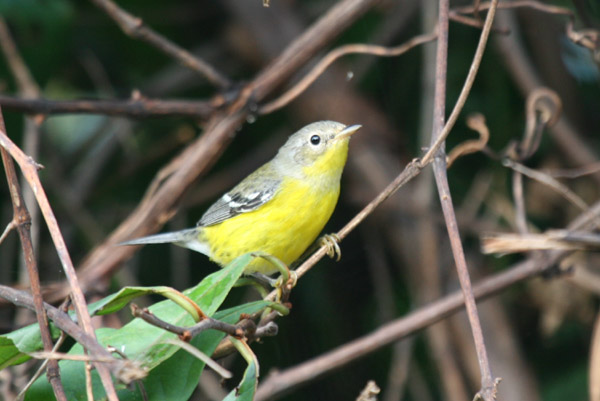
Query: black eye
point(315, 139)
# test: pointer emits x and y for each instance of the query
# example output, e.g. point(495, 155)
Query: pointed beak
point(347, 132)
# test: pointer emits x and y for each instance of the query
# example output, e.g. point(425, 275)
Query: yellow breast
point(284, 227)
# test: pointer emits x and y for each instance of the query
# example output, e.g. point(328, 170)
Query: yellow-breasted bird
point(279, 209)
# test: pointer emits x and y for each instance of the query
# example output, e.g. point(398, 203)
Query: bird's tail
point(181, 238)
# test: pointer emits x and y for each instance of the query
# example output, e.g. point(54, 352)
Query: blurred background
point(97, 169)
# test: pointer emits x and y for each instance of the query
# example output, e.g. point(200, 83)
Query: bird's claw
point(331, 241)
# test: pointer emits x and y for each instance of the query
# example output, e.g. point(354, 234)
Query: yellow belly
point(283, 227)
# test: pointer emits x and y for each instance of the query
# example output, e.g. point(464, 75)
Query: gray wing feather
point(248, 195)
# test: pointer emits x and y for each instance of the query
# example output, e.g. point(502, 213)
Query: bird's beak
point(347, 132)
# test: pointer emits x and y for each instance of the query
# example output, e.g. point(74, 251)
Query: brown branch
point(30, 171)
point(136, 107)
point(22, 222)
point(439, 133)
point(135, 28)
point(244, 328)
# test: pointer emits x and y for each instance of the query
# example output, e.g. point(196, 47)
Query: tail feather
point(185, 238)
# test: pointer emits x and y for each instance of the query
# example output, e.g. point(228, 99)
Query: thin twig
point(42, 367)
point(466, 89)
point(9, 227)
point(69, 357)
point(29, 169)
point(576, 172)
point(477, 123)
point(87, 366)
point(549, 181)
point(519, 201)
point(543, 110)
point(331, 57)
point(224, 373)
point(134, 27)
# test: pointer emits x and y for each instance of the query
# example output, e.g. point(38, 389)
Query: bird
point(279, 209)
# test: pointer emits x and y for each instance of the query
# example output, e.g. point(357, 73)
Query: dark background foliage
point(97, 169)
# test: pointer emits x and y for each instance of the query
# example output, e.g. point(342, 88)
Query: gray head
point(319, 140)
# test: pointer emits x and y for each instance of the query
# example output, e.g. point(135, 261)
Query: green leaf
point(14, 346)
point(175, 379)
point(120, 299)
point(146, 345)
point(208, 294)
point(247, 388)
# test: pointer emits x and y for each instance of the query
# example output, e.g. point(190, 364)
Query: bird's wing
point(250, 194)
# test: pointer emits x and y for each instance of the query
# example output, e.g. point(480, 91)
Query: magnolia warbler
point(279, 209)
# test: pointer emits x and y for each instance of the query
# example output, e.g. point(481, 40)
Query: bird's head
point(318, 148)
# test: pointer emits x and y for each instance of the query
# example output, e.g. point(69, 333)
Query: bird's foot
point(331, 241)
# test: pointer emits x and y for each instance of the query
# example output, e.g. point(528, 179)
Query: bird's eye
point(315, 139)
